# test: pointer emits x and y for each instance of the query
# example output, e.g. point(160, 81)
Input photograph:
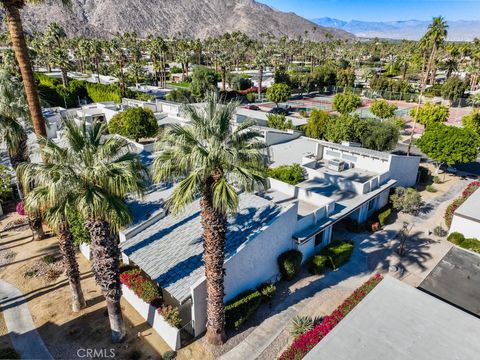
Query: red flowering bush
point(307, 341)
point(171, 315)
point(144, 287)
point(469, 190)
point(20, 208)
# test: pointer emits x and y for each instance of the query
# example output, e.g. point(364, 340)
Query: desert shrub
point(48, 259)
point(407, 200)
point(289, 263)
point(144, 287)
point(439, 231)
point(171, 314)
point(251, 96)
point(337, 253)
point(300, 325)
point(384, 215)
point(318, 265)
point(471, 244)
point(267, 290)
point(241, 308)
point(279, 122)
point(292, 174)
point(437, 180)
point(431, 189)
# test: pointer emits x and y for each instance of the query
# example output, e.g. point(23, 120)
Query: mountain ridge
point(170, 18)
point(459, 30)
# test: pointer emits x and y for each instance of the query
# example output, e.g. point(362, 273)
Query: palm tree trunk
point(260, 80)
point(105, 266)
point(21, 53)
point(224, 71)
point(214, 233)
point(70, 264)
point(64, 77)
point(18, 156)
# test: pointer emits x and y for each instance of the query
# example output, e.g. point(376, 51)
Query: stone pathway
point(376, 249)
point(23, 333)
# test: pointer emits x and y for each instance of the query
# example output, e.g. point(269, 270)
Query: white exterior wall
point(308, 248)
point(404, 169)
point(170, 334)
point(256, 261)
point(277, 137)
point(467, 227)
point(199, 307)
point(362, 161)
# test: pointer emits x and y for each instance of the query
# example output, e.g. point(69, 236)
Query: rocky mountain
point(461, 30)
point(168, 18)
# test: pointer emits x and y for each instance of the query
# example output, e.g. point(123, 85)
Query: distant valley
point(461, 30)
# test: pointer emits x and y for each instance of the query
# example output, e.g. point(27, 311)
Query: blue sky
point(381, 10)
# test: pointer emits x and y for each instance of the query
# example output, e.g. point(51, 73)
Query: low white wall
point(85, 250)
point(199, 306)
point(170, 334)
point(467, 227)
point(256, 261)
point(276, 137)
point(404, 169)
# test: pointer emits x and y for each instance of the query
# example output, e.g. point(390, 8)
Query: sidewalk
point(23, 333)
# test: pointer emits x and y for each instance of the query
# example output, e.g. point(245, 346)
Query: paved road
point(25, 338)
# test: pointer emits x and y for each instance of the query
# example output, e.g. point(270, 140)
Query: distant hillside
point(168, 18)
point(461, 30)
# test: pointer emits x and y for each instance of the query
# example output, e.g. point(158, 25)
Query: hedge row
point(332, 256)
point(289, 264)
point(53, 93)
point(242, 307)
point(460, 240)
point(307, 341)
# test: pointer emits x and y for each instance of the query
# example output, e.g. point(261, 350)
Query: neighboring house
point(466, 219)
point(342, 182)
point(96, 112)
point(261, 117)
point(397, 322)
point(456, 280)
point(128, 103)
point(170, 248)
point(53, 117)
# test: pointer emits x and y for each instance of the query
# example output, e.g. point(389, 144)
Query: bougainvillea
point(469, 190)
point(307, 341)
point(144, 287)
point(171, 314)
point(20, 209)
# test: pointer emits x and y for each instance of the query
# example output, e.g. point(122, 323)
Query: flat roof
point(470, 209)
point(456, 279)
point(290, 152)
point(398, 322)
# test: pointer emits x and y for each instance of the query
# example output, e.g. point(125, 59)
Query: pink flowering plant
point(307, 341)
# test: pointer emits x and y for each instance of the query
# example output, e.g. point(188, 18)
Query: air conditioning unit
point(336, 165)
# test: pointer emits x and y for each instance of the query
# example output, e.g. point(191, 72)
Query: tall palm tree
point(210, 160)
point(14, 121)
point(51, 198)
point(15, 28)
point(261, 62)
point(95, 173)
point(436, 35)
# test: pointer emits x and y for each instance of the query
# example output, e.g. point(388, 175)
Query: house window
point(318, 238)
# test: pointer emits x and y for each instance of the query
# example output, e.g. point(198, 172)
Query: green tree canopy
point(382, 109)
point(279, 122)
point(345, 77)
point(472, 121)
point(317, 124)
point(278, 93)
point(134, 123)
point(346, 103)
point(449, 144)
point(430, 114)
point(454, 88)
point(204, 80)
point(407, 200)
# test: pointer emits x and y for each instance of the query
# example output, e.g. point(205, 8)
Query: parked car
point(252, 107)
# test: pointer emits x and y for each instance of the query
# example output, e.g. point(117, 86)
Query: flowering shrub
point(469, 190)
point(20, 209)
point(171, 315)
point(307, 341)
point(144, 287)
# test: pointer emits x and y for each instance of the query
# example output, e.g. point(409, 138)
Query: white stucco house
point(466, 219)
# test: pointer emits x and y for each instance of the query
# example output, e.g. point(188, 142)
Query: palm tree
point(451, 65)
point(51, 198)
point(95, 174)
point(14, 120)
point(436, 35)
point(210, 160)
point(15, 28)
point(261, 62)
